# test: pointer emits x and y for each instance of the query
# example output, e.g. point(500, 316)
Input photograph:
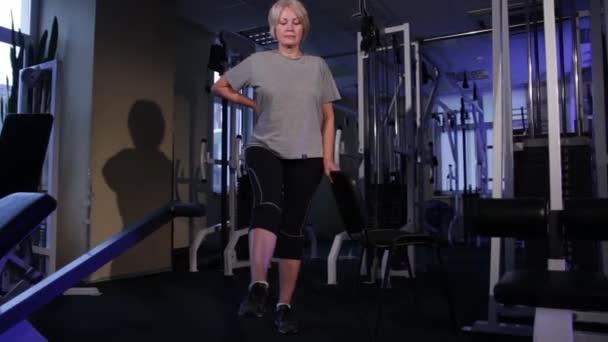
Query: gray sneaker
point(254, 305)
point(285, 321)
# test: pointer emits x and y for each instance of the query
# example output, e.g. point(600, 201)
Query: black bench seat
point(20, 214)
point(579, 291)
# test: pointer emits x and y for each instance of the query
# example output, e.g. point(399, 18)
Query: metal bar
point(480, 147)
point(418, 94)
point(599, 109)
point(431, 101)
point(537, 79)
point(531, 107)
point(398, 28)
point(553, 114)
point(578, 76)
point(458, 35)
point(5, 35)
point(508, 244)
point(605, 9)
point(387, 146)
point(232, 167)
point(50, 176)
point(365, 141)
point(410, 126)
point(562, 75)
point(421, 143)
point(439, 180)
point(497, 191)
point(451, 137)
point(361, 106)
point(53, 164)
point(421, 115)
point(371, 195)
point(337, 145)
point(476, 32)
point(555, 161)
point(41, 250)
point(225, 234)
point(507, 102)
point(375, 127)
point(463, 123)
point(396, 145)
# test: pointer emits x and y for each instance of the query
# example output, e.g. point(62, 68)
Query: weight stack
point(577, 175)
point(531, 168)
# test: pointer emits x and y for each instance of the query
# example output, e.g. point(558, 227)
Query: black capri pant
point(282, 192)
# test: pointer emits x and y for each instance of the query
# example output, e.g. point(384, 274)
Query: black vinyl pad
point(20, 214)
point(583, 291)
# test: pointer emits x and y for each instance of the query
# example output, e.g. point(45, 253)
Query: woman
point(290, 148)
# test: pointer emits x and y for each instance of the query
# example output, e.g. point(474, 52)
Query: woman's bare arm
point(223, 89)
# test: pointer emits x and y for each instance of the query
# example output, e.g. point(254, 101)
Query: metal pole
point(576, 55)
point(459, 35)
point(418, 98)
point(225, 234)
point(361, 107)
point(426, 124)
point(372, 137)
point(497, 175)
point(531, 106)
point(555, 160)
point(507, 103)
point(537, 79)
point(374, 88)
point(562, 75)
point(463, 119)
point(605, 9)
point(509, 244)
point(365, 141)
point(418, 94)
point(386, 146)
point(396, 146)
point(233, 165)
point(410, 126)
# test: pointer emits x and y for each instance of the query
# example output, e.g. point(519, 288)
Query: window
point(243, 128)
point(19, 13)
point(6, 71)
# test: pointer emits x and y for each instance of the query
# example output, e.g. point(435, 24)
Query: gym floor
point(183, 306)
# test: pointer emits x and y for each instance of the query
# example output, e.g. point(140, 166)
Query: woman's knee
point(289, 246)
point(267, 216)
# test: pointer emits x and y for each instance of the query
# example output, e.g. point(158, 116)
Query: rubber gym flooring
point(183, 306)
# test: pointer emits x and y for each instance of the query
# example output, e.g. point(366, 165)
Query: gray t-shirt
point(289, 95)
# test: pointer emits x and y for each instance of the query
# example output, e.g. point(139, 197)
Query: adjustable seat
point(350, 206)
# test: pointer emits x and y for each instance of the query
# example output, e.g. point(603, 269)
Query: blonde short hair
point(297, 7)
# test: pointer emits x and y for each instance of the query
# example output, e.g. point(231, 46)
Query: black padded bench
point(580, 291)
point(23, 147)
point(554, 294)
point(20, 215)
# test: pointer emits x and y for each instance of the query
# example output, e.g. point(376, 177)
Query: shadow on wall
point(136, 174)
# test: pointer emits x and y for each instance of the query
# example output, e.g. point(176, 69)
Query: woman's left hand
point(330, 166)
